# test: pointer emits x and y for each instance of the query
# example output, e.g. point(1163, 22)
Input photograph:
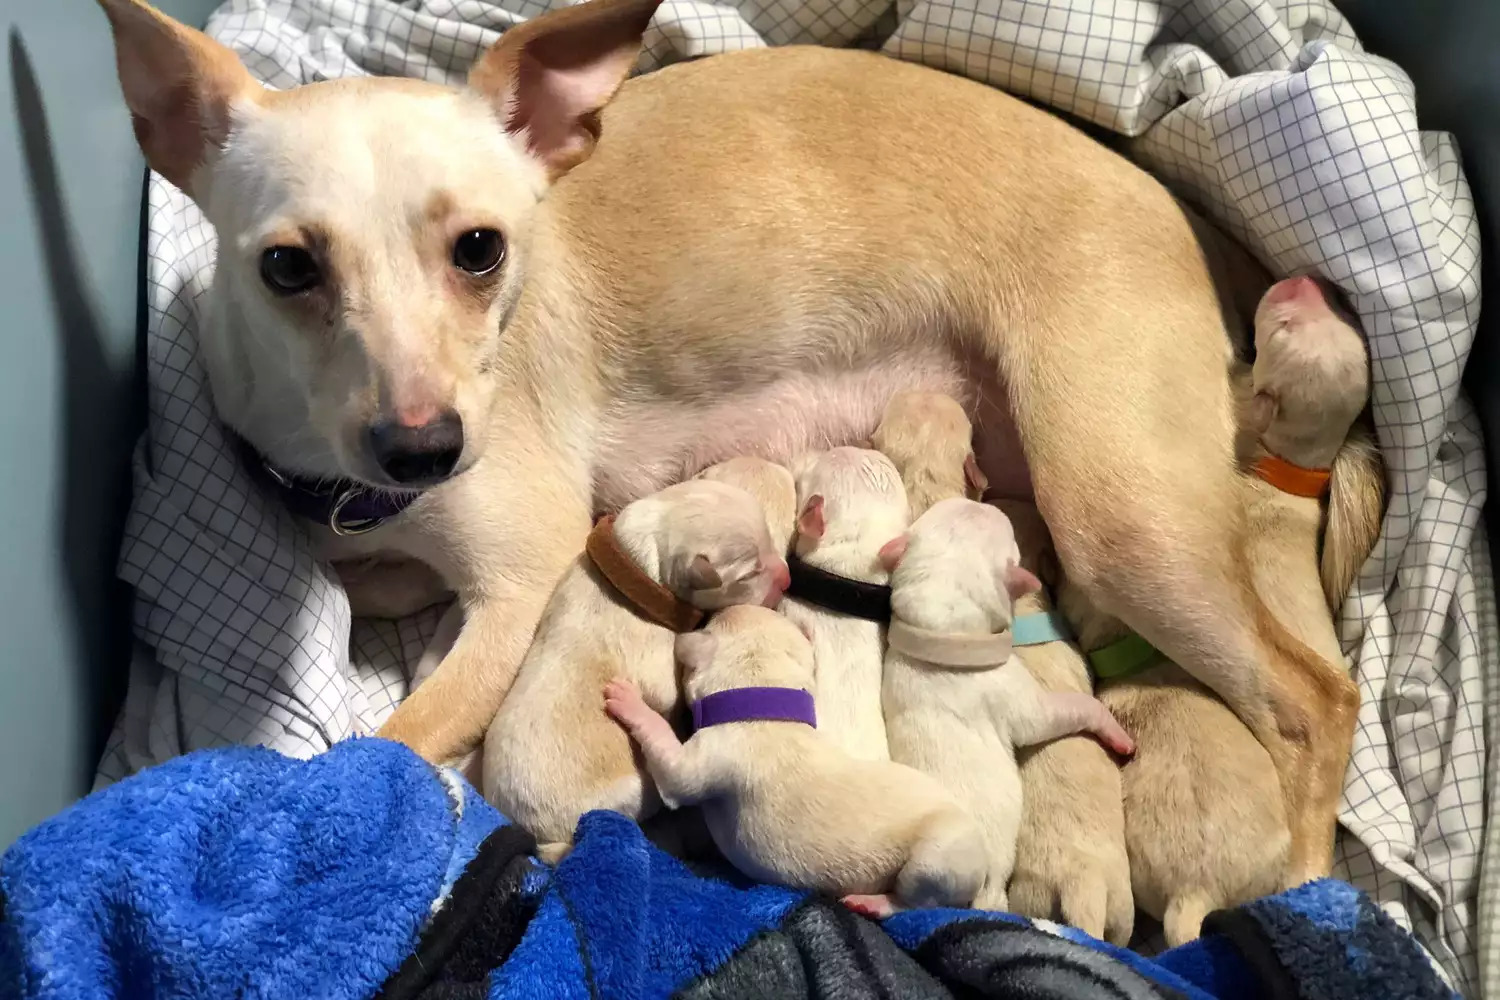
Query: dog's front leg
point(508, 533)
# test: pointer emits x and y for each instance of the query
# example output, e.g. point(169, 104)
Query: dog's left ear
point(1020, 581)
point(976, 480)
point(549, 77)
point(702, 575)
point(1263, 409)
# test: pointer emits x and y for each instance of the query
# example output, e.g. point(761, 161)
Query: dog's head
point(372, 233)
point(958, 568)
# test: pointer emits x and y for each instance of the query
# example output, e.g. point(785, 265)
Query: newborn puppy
point(767, 482)
point(851, 502)
point(1204, 820)
point(957, 701)
point(782, 801)
point(551, 755)
point(929, 439)
point(1071, 863)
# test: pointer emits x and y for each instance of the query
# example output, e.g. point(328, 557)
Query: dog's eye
point(478, 251)
point(289, 270)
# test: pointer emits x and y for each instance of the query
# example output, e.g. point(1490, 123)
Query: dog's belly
point(647, 446)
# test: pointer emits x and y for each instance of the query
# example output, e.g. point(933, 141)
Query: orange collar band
point(1293, 479)
point(645, 596)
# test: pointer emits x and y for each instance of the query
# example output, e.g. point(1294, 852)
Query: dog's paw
point(623, 701)
point(876, 907)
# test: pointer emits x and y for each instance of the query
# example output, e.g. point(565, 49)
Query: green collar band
point(1123, 658)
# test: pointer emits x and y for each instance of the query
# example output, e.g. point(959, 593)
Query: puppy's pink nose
point(782, 576)
point(1302, 288)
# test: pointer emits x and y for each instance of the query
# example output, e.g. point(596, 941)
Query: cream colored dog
point(851, 503)
point(1204, 820)
point(927, 436)
point(767, 482)
point(958, 702)
point(551, 755)
point(459, 302)
point(782, 801)
point(1071, 862)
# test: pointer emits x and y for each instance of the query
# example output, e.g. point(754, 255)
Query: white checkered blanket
point(1266, 113)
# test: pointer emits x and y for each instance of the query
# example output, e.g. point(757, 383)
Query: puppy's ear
point(179, 85)
point(892, 551)
point(1263, 409)
point(976, 480)
point(549, 77)
point(702, 575)
point(695, 650)
point(1020, 581)
point(811, 523)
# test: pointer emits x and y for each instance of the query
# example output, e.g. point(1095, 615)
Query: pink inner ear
point(555, 105)
point(1020, 581)
point(977, 480)
point(892, 551)
point(810, 523)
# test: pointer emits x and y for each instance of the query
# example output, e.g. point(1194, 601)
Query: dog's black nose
point(414, 456)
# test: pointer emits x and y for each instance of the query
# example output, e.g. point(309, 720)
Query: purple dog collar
point(345, 506)
point(754, 704)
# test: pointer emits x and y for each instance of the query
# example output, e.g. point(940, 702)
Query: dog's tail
point(1183, 921)
point(1356, 505)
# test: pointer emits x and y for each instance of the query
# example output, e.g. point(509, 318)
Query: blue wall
point(71, 183)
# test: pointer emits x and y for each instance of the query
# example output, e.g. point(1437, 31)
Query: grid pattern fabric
point(1267, 114)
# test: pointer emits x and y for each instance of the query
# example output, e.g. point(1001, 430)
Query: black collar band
point(871, 601)
point(345, 506)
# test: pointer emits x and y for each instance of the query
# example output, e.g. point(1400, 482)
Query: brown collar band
point(646, 597)
point(1293, 479)
point(965, 650)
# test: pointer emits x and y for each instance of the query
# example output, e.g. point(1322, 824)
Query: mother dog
point(419, 333)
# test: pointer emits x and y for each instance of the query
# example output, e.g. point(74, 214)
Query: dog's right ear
point(550, 77)
point(695, 650)
point(179, 85)
point(810, 522)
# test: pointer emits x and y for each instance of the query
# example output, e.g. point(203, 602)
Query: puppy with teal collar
point(957, 702)
point(783, 802)
point(1071, 861)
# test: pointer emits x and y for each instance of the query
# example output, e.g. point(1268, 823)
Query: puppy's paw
point(623, 701)
point(876, 907)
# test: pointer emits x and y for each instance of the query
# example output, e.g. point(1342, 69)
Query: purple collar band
point(346, 507)
point(755, 704)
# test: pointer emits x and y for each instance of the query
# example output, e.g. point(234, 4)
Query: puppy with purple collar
point(782, 801)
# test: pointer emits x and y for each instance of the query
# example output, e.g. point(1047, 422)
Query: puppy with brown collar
point(851, 503)
point(1204, 821)
point(958, 701)
point(783, 802)
point(649, 573)
point(446, 309)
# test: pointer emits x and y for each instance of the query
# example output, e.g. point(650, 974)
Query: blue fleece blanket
point(364, 873)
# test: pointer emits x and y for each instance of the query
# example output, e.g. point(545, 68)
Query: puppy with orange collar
point(1204, 822)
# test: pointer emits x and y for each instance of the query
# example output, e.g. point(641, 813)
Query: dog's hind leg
point(1147, 510)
